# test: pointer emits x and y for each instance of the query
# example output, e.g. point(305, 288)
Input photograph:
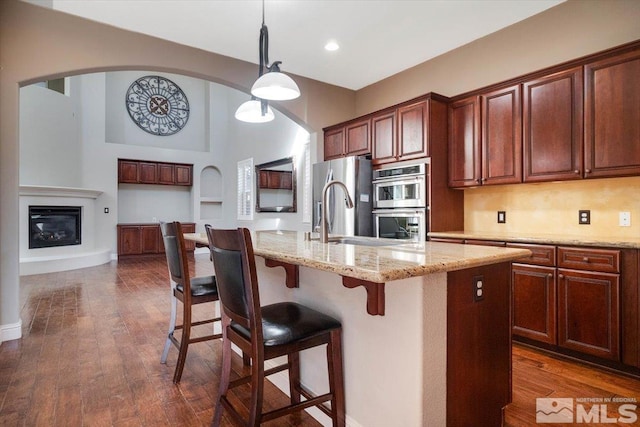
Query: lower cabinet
point(143, 239)
point(533, 302)
point(588, 313)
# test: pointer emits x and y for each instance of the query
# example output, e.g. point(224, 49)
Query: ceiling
point(378, 38)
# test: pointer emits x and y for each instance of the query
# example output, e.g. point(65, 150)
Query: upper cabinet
point(350, 139)
point(149, 172)
point(394, 134)
point(464, 143)
point(612, 116)
point(402, 133)
point(383, 136)
point(552, 127)
point(501, 136)
point(357, 138)
point(577, 120)
point(485, 139)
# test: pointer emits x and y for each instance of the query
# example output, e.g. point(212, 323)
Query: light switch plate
point(502, 217)
point(625, 219)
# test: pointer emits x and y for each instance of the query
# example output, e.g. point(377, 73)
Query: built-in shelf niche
point(211, 193)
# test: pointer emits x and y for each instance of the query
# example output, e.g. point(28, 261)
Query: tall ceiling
point(377, 38)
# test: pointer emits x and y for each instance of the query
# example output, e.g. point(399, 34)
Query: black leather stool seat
point(287, 322)
point(201, 286)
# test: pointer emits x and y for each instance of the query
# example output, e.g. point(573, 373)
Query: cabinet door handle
point(585, 259)
point(587, 171)
point(576, 171)
point(550, 275)
point(560, 276)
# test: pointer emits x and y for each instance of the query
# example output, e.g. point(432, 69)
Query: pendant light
point(272, 85)
point(255, 111)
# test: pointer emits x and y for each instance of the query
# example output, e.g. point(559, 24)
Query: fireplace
point(54, 226)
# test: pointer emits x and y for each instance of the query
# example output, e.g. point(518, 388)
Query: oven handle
point(400, 179)
point(415, 211)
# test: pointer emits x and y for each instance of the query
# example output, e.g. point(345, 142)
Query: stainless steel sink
point(365, 241)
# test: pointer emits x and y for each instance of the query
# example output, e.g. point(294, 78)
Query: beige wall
point(570, 30)
point(553, 207)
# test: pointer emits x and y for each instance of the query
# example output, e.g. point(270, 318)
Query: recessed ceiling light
point(332, 45)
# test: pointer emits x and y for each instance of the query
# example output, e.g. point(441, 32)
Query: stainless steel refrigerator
point(355, 173)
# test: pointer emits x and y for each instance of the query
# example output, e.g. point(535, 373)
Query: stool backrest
point(235, 269)
point(176, 252)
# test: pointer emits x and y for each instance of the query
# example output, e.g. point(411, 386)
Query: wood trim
point(292, 271)
point(375, 294)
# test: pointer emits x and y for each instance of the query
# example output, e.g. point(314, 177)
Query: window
point(245, 190)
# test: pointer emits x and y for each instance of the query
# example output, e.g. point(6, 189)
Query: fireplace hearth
point(54, 226)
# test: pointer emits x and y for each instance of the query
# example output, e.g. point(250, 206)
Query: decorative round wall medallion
point(157, 105)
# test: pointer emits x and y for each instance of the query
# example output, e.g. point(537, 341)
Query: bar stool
point(267, 332)
point(189, 290)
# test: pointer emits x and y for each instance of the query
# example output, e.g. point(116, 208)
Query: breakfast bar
point(426, 326)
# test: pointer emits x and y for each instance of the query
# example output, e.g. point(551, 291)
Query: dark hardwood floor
point(90, 355)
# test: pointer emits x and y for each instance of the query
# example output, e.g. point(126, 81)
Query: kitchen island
point(426, 337)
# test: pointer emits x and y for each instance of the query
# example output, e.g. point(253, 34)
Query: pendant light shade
point(272, 85)
point(275, 86)
point(252, 112)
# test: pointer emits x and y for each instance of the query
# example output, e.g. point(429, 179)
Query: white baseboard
point(11, 332)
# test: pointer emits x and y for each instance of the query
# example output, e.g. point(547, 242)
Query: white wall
point(120, 129)
point(50, 147)
point(95, 130)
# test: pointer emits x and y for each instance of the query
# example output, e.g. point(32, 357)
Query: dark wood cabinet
point(334, 143)
point(129, 240)
point(501, 136)
point(413, 142)
point(358, 140)
point(275, 180)
point(553, 127)
point(398, 133)
point(533, 302)
point(403, 133)
point(149, 236)
point(588, 313)
point(183, 174)
point(465, 166)
point(144, 239)
point(612, 116)
point(576, 120)
point(383, 137)
point(128, 171)
point(166, 173)
point(149, 172)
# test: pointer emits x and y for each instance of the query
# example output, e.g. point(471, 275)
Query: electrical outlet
point(584, 217)
point(502, 217)
point(478, 288)
point(625, 219)
point(106, 210)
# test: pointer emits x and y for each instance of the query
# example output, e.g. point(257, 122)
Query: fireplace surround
point(54, 226)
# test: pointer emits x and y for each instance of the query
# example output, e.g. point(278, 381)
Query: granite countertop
point(548, 239)
point(378, 264)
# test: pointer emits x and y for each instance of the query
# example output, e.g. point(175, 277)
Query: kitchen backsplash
point(553, 207)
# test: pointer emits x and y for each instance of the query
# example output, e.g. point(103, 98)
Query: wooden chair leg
point(172, 328)
point(184, 344)
point(336, 378)
point(257, 392)
point(225, 375)
point(294, 377)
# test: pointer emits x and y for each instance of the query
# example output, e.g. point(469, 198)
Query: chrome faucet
point(324, 225)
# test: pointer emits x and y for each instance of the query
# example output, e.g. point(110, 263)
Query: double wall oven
point(400, 201)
